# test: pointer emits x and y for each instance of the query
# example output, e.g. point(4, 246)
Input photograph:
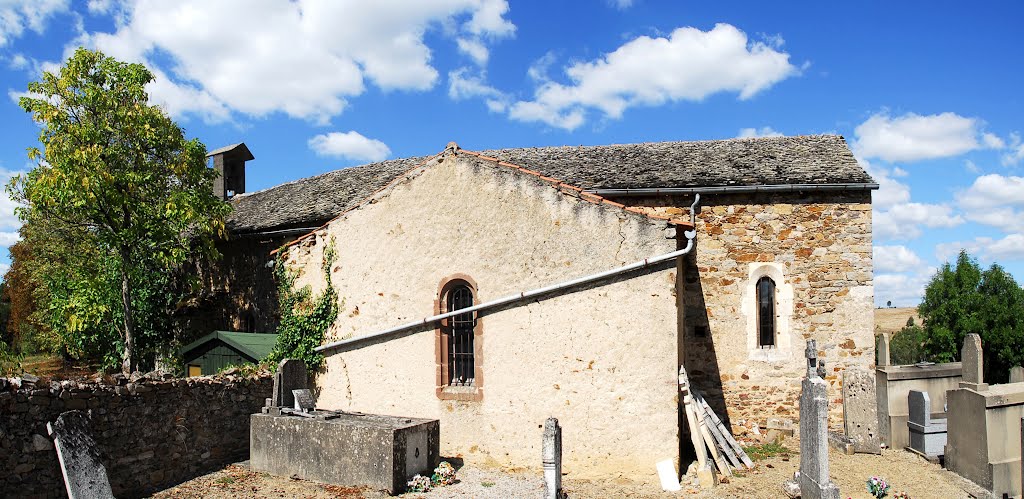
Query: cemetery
point(69, 437)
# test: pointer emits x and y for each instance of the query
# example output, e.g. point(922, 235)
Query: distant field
point(890, 320)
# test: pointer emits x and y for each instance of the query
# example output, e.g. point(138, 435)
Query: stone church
point(776, 251)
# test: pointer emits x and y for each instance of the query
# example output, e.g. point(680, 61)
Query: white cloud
point(621, 4)
point(903, 221)
point(987, 249)
point(474, 49)
point(912, 137)
point(16, 15)
point(9, 222)
point(895, 259)
point(463, 84)
point(902, 289)
point(995, 200)
point(765, 131)
point(305, 58)
point(538, 71)
point(4, 268)
point(1010, 247)
point(349, 145)
point(992, 141)
point(890, 191)
point(100, 6)
point(489, 19)
point(689, 64)
point(1016, 152)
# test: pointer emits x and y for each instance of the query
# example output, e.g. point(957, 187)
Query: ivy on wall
point(304, 318)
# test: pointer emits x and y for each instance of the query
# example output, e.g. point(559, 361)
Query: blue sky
point(927, 94)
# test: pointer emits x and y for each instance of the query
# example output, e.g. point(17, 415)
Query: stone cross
point(815, 482)
point(552, 459)
point(84, 474)
point(811, 352)
point(882, 350)
point(971, 355)
point(860, 409)
point(1016, 374)
point(290, 375)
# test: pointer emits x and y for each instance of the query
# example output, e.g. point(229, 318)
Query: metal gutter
point(525, 295)
point(735, 189)
point(282, 232)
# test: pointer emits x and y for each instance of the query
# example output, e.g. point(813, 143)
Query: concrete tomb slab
point(927, 435)
point(291, 375)
point(893, 383)
point(84, 474)
point(351, 449)
point(972, 357)
point(815, 482)
point(860, 410)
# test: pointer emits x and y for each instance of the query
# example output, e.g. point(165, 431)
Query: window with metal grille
point(766, 312)
point(461, 366)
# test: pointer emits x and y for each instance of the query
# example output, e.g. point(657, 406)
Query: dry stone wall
point(819, 246)
point(151, 433)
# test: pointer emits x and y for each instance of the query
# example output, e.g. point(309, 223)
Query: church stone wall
point(819, 244)
point(601, 358)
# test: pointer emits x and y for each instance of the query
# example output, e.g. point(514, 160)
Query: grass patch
point(487, 484)
point(226, 480)
point(768, 450)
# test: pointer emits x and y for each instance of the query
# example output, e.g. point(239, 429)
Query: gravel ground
point(905, 471)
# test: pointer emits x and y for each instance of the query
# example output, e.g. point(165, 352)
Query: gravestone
point(1016, 374)
point(815, 482)
point(973, 363)
point(290, 375)
point(860, 410)
point(303, 400)
point(84, 474)
point(927, 435)
point(552, 459)
point(882, 350)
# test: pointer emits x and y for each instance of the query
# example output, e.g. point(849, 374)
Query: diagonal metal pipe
point(525, 295)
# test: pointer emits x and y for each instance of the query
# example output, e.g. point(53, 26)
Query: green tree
point(906, 345)
point(118, 174)
point(962, 300)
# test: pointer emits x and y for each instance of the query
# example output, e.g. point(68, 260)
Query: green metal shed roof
point(255, 345)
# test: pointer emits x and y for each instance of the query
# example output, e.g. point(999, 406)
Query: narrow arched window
point(766, 312)
point(461, 364)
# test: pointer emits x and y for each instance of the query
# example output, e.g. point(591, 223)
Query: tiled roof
point(810, 159)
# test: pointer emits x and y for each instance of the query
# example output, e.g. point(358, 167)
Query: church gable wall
point(601, 358)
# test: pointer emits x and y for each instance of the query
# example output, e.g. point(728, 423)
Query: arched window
point(765, 312)
point(460, 332)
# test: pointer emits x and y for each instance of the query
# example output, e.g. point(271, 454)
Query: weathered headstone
point(860, 410)
point(973, 363)
point(84, 474)
point(882, 350)
point(927, 435)
point(1016, 374)
point(815, 482)
point(552, 459)
point(290, 375)
point(303, 400)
